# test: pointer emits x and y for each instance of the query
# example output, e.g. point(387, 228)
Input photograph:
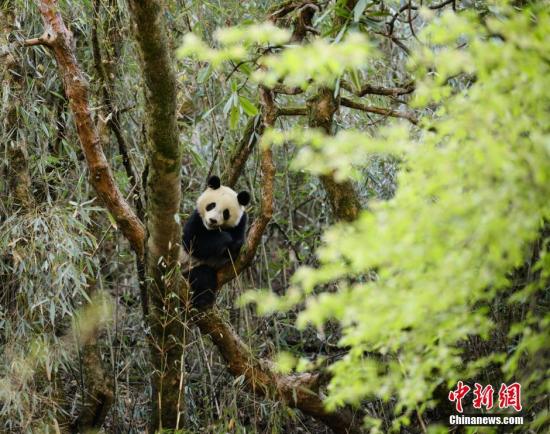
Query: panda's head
point(220, 207)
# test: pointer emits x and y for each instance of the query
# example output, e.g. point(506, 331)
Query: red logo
point(458, 394)
point(483, 396)
point(508, 396)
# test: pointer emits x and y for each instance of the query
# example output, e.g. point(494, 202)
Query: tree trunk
point(165, 319)
point(19, 180)
point(342, 196)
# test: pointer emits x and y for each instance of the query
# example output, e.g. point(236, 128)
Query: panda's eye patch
point(226, 214)
point(210, 206)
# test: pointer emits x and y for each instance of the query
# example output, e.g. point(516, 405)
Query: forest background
point(398, 159)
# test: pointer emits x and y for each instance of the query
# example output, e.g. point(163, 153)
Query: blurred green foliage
point(471, 207)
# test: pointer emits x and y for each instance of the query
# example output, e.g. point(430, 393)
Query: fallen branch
point(378, 110)
point(59, 39)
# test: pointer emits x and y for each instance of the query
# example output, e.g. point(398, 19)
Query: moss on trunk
point(167, 341)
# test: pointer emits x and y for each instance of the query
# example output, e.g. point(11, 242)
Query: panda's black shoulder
point(194, 221)
point(193, 227)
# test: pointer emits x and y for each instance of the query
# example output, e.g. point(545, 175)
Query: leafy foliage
point(446, 280)
point(472, 199)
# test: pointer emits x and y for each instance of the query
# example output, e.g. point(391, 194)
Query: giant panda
point(212, 237)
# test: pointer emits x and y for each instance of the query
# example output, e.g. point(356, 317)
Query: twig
point(378, 110)
point(369, 89)
point(292, 111)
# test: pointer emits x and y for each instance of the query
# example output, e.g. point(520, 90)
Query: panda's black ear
point(244, 198)
point(214, 182)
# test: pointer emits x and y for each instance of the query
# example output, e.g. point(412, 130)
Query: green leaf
point(249, 108)
point(359, 9)
point(234, 118)
point(230, 103)
point(112, 220)
point(204, 74)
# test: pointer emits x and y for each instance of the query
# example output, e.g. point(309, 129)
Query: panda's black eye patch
point(226, 214)
point(210, 206)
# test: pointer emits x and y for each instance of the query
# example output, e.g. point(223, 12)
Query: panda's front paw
point(204, 299)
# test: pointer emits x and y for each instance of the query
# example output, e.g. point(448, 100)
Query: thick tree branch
point(342, 196)
point(321, 108)
point(378, 110)
point(60, 40)
point(253, 130)
point(297, 390)
point(163, 150)
point(112, 114)
point(369, 89)
point(292, 111)
point(227, 273)
point(105, 66)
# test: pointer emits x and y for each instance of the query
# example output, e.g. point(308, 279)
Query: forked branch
point(59, 39)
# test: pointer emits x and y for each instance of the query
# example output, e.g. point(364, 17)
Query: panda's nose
point(213, 221)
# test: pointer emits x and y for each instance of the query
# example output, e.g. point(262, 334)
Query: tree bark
point(60, 40)
point(167, 340)
point(296, 390)
point(229, 272)
point(19, 180)
point(342, 196)
point(253, 130)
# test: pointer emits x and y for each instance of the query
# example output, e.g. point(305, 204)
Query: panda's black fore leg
point(203, 283)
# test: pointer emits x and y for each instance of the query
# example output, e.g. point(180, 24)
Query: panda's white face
point(220, 208)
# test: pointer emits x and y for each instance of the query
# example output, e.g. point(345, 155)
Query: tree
point(315, 94)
